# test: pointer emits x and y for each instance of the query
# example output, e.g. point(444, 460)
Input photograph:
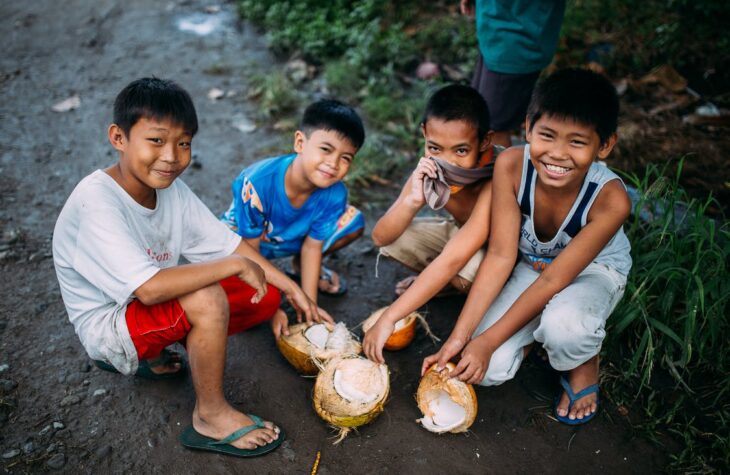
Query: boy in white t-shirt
point(116, 249)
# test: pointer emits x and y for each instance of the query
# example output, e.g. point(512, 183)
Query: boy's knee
point(570, 338)
point(208, 305)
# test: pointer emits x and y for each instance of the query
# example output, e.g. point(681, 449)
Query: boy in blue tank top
point(558, 213)
point(296, 204)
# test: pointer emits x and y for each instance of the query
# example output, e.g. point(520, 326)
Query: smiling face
point(454, 141)
point(324, 157)
point(563, 150)
point(151, 157)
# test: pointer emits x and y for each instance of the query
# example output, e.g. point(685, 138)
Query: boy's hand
point(426, 167)
point(375, 339)
point(304, 306)
point(451, 348)
point(467, 7)
point(474, 362)
point(252, 274)
point(280, 324)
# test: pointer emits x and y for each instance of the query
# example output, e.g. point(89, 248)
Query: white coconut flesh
point(360, 381)
point(317, 335)
point(445, 413)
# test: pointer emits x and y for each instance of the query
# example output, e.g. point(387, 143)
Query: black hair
point(154, 98)
point(459, 102)
point(581, 95)
point(331, 114)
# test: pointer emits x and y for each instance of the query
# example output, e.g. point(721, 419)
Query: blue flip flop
point(144, 368)
point(194, 440)
point(593, 388)
point(325, 274)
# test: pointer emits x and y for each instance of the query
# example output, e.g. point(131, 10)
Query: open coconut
point(320, 341)
point(350, 391)
point(447, 404)
point(404, 332)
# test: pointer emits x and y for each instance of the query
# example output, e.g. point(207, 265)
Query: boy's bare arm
point(497, 265)
point(293, 293)
point(435, 276)
point(410, 201)
point(177, 281)
point(311, 262)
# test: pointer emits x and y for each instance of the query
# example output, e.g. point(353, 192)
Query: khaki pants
point(423, 241)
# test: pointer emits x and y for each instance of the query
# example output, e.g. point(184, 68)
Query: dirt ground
point(59, 413)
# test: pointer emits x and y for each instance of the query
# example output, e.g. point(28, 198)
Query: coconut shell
point(401, 337)
point(339, 412)
point(460, 392)
point(302, 354)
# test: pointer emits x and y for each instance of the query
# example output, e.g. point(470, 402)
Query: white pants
point(570, 328)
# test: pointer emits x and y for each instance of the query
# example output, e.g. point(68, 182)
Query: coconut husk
point(438, 385)
point(368, 386)
point(303, 355)
point(405, 329)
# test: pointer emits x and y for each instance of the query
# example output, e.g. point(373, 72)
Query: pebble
point(70, 400)
point(11, 453)
point(288, 454)
point(99, 392)
point(7, 385)
point(74, 378)
point(57, 461)
point(51, 448)
point(4, 367)
point(58, 425)
point(104, 451)
point(28, 447)
point(45, 430)
point(85, 367)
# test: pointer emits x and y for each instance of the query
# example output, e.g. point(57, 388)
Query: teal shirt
point(518, 37)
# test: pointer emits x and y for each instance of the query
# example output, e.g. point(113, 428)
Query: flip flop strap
point(593, 388)
point(258, 424)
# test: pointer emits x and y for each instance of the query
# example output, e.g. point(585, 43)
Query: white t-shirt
point(106, 245)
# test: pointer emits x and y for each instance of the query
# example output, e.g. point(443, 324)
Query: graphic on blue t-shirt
point(261, 209)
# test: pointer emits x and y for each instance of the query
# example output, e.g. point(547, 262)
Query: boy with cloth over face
point(116, 250)
point(454, 174)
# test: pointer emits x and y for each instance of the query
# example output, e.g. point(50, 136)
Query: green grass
point(668, 344)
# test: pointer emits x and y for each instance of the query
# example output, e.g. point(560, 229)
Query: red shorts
point(153, 327)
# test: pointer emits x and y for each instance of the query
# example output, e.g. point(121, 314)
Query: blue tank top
point(540, 254)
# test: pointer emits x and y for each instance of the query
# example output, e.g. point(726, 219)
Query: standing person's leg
point(507, 96)
point(207, 311)
point(572, 329)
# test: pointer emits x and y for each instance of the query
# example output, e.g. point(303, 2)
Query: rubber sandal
point(593, 388)
point(325, 274)
point(144, 368)
point(194, 440)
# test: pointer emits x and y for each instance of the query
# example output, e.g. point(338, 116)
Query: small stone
point(57, 461)
point(51, 448)
point(243, 123)
point(28, 447)
point(85, 367)
point(104, 451)
point(45, 430)
point(86, 382)
point(288, 454)
point(99, 392)
point(58, 425)
point(66, 105)
point(70, 400)
point(7, 385)
point(215, 94)
point(74, 378)
point(4, 367)
point(11, 453)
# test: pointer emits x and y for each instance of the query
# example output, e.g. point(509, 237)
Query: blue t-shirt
point(260, 208)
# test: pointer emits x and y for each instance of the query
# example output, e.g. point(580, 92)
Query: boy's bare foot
point(580, 378)
point(227, 421)
point(403, 285)
point(167, 362)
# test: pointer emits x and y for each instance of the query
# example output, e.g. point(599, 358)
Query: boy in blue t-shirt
point(296, 205)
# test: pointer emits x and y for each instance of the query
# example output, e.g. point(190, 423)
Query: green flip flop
point(144, 368)
point(192, 439)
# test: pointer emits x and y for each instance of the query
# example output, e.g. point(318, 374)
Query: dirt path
point(57, 412)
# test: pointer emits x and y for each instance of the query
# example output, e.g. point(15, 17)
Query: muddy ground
point(59, 413)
